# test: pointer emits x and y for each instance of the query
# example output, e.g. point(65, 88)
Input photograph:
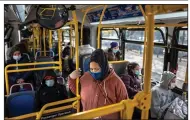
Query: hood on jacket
point(13, 49)
point(99, 57)
point(166, 77)
point(49, 74)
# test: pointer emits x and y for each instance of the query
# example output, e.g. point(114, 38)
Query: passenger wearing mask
point(100, 86)
point(162, 96)
point(16, 58)
point(131, 79)
point(50, 90)
point(113, 52)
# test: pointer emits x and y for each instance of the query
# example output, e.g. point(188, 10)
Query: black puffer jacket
point(47, 94)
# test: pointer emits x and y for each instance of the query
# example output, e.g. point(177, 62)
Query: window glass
point(134, 53)
point(110, 34)
point(134, 35)
point(182, 40)
point(182, 65)
point(106, 44)
point(66, 36)
point(138, 35)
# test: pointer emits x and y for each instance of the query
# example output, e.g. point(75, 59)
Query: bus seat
point(61, 80)
point(44, 59)
point(120, 68)
point(21, 87)
point(86, 64)
point(82, 61)
point(21, 103)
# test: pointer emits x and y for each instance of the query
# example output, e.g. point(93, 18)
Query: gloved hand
point(75, 74)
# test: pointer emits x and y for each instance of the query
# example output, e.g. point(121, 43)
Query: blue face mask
point(115, 50)
point(137, 72)
point(96, 75)
point(49, 83)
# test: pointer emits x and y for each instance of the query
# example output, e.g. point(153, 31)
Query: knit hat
point(114, 44)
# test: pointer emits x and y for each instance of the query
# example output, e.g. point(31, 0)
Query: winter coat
point(132, 84)
point(162, 97)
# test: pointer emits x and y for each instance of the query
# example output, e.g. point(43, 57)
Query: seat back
point(21, 87)
point(44, 59)
point(119, 68)
point(84, 59)
point(21, 103)
point(61, 80)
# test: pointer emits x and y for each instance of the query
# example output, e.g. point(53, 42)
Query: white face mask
point(17, 58)
point(49, 83)
point(172, 86)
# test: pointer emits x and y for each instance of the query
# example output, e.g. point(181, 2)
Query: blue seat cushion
point(21, 103)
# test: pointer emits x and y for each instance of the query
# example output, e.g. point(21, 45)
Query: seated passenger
point(162, 96)
point(16, 58)
point(113, 52)
point(100, 86)
point(131, 79)
point(50, 90)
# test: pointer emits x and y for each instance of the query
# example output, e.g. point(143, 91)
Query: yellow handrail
point(149, 54)
point(21, 70)
point(122, 61)
point(50, 39)
point(71, 48)
point(76, 55)
point(44, 39)
point(95, 112)
point(49, 110)
point(39, 114)
point(60, 49)
point(99, 26)
point(86, 11)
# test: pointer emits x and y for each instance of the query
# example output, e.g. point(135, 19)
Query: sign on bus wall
point(116, 12)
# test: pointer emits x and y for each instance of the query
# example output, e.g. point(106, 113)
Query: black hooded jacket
point(47, 94)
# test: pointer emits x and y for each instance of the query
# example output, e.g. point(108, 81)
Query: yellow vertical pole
point(50, 39)
point(145, 35)
point(37, 38)
point(44, 39)
point(60, 48)
point(34, 41)
point(99, 26)
point(81, 33)
point(71, 34)
point(40, 41)
point(6, 81)
point(76, 55)
point(149, 54)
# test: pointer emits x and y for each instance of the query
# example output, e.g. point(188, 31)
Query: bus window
point(134, 50)
point(66, 36)
point(106, 44)
point(182, 64)
point(134, 53)
point(134, 35)
point(158, 38)
point(108, 36)
point(182, 40)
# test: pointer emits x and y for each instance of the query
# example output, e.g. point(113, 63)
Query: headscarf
point(99, 57)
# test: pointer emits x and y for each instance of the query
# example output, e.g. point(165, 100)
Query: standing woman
point(100, 86)
point(131, 79)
